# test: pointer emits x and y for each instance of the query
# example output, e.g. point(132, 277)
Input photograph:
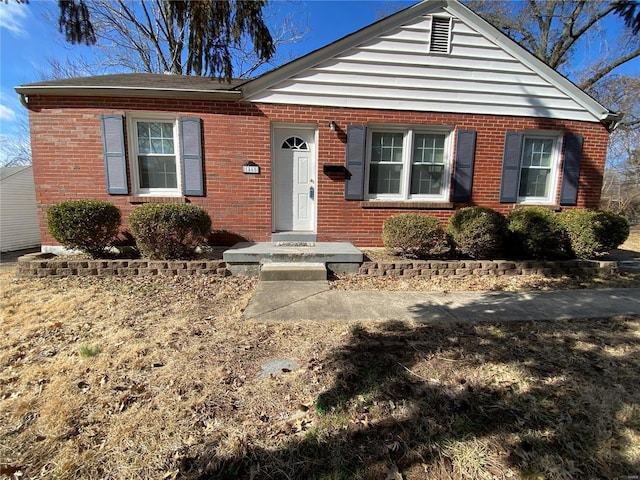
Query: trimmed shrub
point(87, 225)
point(534, 232)
point(414, 235)
point(478, 232)
point(166, 231)
point(591, 233)
point(617, 227)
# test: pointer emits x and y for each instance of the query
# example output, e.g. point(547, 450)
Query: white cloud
point(6, 114)
point(13, 17)
point(10, 109)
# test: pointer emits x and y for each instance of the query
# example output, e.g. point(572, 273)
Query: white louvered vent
point(440, 34)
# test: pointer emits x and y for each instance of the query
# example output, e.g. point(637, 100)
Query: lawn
point(161, 378)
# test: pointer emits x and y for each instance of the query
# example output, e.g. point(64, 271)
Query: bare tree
point(621, 93)
point(80, 66)
point(15, 149)
point(621, 188)
point(177, 36)
point(157, 36)
point(291, 29)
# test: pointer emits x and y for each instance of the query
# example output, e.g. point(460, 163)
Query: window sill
point(554, 208)
point(135, 199)
point(408, 205)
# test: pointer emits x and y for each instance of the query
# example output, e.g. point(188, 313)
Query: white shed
point(18, 213)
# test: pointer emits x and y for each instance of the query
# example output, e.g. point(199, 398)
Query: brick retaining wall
point(46, 265)
point(463, 268)
point(39, 266)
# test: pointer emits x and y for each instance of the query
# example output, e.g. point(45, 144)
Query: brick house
point(428, 110)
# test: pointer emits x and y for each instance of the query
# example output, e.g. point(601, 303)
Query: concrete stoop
point(293, 272)
point(252, 258)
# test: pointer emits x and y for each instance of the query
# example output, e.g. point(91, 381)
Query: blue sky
point(27, 40)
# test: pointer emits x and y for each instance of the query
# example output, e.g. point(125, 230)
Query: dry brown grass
point(159, 378)
point(632, 244)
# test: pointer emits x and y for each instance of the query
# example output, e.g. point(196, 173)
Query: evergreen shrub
point(591, 233)
point(166, 231)
point(414, 235)
point(477, 232)
point(534, 232)
point(87, 225)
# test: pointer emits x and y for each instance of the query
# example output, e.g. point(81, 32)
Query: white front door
point(294, 180)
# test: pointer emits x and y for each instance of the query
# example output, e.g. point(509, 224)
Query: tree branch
point(564, 47)
point(608, 69)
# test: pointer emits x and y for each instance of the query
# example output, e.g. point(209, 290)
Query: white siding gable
point(18, 213)
point(396, 71)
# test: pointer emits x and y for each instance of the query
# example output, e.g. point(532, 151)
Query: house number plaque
point(251, 167)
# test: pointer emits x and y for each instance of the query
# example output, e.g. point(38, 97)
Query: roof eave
point(135, 92)
point(612, 120)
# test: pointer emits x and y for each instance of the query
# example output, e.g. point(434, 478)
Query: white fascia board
point(598, 111)
point(288, 70)
point(137, 92)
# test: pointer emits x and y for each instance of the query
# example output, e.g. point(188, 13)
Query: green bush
point(169, 230)
point(534, 232)
point(591, 233)
point(617, 227)
point(87, 225)
point(478, 232)
point(414, 235)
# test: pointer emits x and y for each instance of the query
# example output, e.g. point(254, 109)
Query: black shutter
point(463, 169)
point(571, 169)
point(191, 152)
point(356, 145)
point(512, 157)
point(115, 164)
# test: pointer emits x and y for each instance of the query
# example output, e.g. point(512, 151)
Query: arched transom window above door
point(294, 143)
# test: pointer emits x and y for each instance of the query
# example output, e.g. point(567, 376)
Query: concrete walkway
point(313, 301)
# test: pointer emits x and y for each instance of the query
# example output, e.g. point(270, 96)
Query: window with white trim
point(408, 164)
point(539, 168)
point(294, 143)
point(155, 163)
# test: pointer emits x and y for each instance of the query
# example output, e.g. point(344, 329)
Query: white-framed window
point(294, 143)
point(408, 164)
point(539, 167)
point(154, 155)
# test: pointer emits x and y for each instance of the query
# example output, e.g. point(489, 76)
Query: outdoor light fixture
point(332, 126)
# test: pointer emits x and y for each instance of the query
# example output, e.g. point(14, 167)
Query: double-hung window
point(408, 164)
point(387, 158)
point(539, 168)
point(155, 164)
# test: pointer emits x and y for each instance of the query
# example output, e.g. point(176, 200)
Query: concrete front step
point(293, 272)
point(338, 257)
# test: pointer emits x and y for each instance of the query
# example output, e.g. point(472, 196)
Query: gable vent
point(440, 34)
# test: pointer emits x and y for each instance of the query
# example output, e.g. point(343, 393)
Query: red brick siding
point(68, 160)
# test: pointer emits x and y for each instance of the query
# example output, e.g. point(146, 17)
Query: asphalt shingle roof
point(155, 81)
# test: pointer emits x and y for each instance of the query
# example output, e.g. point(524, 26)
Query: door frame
point(308, 128)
